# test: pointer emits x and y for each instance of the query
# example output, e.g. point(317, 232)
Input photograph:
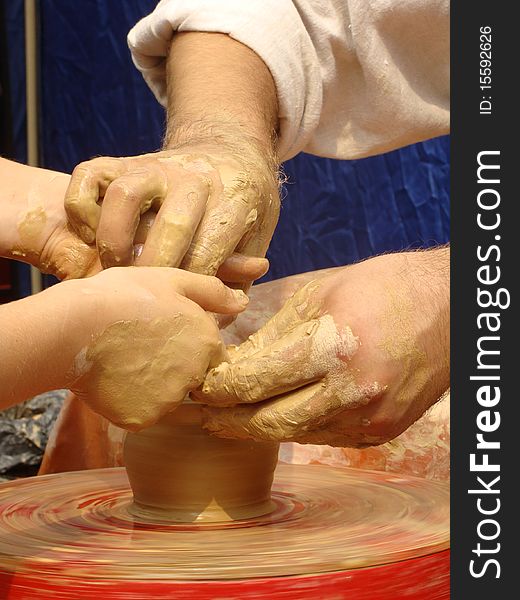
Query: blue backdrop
point(94, 102)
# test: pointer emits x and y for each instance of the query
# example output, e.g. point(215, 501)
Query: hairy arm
point(213, 188)
point(219, 90)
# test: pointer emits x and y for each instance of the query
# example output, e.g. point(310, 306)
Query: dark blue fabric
point(14, 28)
point(336, 212)
point(94, 102)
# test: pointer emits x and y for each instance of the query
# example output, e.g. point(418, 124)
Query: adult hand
point(48, 242)
point(212, 202)
point(144, 339)
point(35, 228)
point(352, 359)
point(63, 253)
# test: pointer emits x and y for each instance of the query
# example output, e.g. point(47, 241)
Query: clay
point(30, 229)
point(179, 472)
point(305, 415)
point(171, 356)
point(31, 226)
point(297, 361)
point(308, 351)
point(415, 367)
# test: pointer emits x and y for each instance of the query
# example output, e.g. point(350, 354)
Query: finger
point(210, 293)
point(239, 268)
point(302, 307)
point(141, 233)
point(145, 224)
point(224, 321)
point(176, 223)
point(87, 186)
point(281, 419)
point(256, 241)
point(220, 230)
point(294, 415)
point(305, 354)
point(125, 199)
point(326, 437)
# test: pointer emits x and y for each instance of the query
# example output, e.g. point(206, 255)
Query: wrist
point(28, 217)
point(430, 290)
point(84, 318)
point(237, 150)
point(215, 135)
point(76, 308)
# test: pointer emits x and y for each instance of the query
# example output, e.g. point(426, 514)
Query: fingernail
point(241, 297)
point(205, 389)
point(265, 267)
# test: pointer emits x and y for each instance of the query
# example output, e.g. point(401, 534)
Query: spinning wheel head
point(324, 519)
point(323, 532)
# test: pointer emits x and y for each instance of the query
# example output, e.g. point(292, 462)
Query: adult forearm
point(217, 87)
point(215, 185)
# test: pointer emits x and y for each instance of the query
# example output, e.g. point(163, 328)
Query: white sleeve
point(353, 77)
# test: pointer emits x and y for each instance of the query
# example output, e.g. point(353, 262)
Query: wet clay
point(306, 352)
point(30, 228)
point(415, 367)
point(179, 472)
point(165, 358)
point(297, 361)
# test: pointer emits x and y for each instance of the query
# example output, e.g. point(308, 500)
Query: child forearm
point(32, 208)
point(37, 348)
point(95, 336)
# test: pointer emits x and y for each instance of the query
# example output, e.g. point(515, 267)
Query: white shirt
point(353, 77)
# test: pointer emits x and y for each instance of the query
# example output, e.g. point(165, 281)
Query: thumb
point(239, 268)
point(210, 293)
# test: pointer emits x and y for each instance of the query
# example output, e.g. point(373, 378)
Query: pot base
point(181, 473)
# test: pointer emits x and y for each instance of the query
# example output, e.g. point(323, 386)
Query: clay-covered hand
point(35, 228)
point(352, 359)
point(211, 201)
point(34, 223)
point(146, 340)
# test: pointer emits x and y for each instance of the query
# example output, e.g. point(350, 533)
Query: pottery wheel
point(325, 519)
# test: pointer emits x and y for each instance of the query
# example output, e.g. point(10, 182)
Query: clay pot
point(179, 472)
